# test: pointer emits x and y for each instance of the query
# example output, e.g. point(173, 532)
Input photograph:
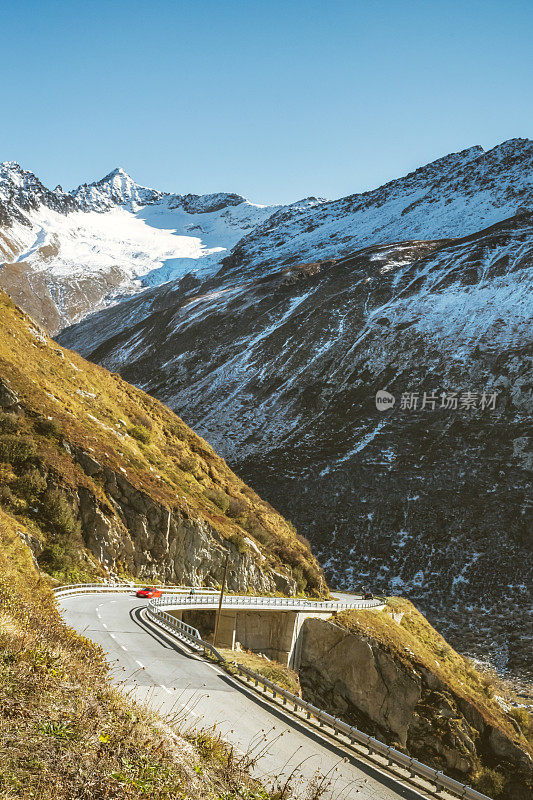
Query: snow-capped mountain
point(453, 196)
point(21, 191)
point(68, 254)
point(280, 374)
point(115, 189)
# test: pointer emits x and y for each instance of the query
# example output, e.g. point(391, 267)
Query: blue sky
point(276, 100)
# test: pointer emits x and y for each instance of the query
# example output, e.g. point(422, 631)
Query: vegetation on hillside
point(65, 733)
point(68, 403)
point(285, 677)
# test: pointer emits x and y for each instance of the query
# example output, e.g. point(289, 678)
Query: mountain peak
point(118, 172)
point(21, 190)
point(516, 148)
point(10, 165)
point(12, 171)
point(115, 188)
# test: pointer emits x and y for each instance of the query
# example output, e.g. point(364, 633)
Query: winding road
point(159, 671)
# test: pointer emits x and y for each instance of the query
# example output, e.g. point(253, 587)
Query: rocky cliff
point(109, 481)
point(389, 674)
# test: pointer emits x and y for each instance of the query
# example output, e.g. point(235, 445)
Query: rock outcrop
point(405, 704)
point(145, 538)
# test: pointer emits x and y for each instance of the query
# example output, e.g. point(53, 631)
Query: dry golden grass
point(134, 434)
point(272, 670)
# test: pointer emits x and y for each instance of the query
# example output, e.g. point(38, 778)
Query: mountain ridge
point(113, 238)
point(433, 201)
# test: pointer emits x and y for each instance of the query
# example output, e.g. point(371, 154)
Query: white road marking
point(124, 648)
point(139, 663)
point(105, 626)
point(112, 635)
point(166, 690)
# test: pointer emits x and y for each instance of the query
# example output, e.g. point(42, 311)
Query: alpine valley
point(270, 329)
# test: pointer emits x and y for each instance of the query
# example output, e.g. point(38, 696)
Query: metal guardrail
point(186, 632)
point(92, 588)
point(180, 596)
point(394, 757)
point(285, 603)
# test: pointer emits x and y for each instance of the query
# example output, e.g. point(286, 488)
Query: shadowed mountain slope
point(280, 374)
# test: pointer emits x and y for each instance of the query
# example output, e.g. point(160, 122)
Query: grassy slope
point(129, 432)
point(270, 669)
point(65, 732)
point(415, 643)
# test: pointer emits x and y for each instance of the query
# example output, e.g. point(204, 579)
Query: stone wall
point(275, 634)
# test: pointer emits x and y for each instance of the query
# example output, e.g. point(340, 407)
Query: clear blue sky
point(274, 99)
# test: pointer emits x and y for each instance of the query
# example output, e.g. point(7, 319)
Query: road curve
point(163, 674)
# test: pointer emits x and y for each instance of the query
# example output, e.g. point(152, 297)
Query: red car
point(149, 591)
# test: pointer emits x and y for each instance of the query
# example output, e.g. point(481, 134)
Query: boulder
point(8, 398)
point(348, 675)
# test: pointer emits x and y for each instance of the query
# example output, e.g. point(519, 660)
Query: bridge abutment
point(275, 634)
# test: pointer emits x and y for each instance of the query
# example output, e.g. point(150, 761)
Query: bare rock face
point(440, 733)
point(153, 542)
point(8, 398)
point(361, 683)
point(345, 673)
point(356, 679)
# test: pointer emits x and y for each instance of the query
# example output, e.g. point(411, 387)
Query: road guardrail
point(249, 601)
point(393, 757)
point(92, 588)
point(184, 596)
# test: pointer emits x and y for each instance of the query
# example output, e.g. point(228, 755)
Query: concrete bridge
point(268, 625)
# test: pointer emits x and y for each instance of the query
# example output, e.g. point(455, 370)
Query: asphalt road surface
point(184, 687)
